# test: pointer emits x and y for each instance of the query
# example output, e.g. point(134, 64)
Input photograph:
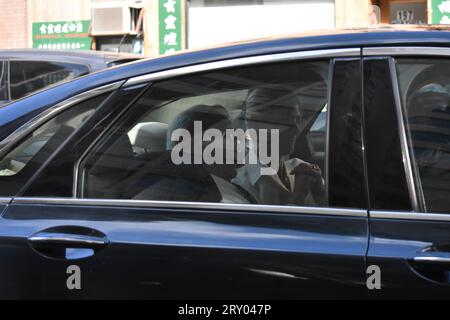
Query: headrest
point(150, 136)
point(275, 104)
point(430, 90)
point(215, 116)
point(429, 97)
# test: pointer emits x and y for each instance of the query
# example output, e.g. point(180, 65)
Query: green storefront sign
point(440, 13)
point(170, 31)
point(62, 35)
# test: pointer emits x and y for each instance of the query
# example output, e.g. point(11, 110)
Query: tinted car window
point(425, 93)
point(57, 179)
point(21, 162)
point(29, 76)
point(346, 187)
point(387, 184)
point(235, 136)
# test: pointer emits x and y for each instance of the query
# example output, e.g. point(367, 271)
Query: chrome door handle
point(67, 239)
point(432, 264)
point(68, 242)
point(432, 259)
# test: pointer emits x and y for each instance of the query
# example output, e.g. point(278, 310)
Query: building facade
point(157, 27)
point(13, 24)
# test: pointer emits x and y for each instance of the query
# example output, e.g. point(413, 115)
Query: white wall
point(215, 25)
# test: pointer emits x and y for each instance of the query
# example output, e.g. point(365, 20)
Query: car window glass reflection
point(236, 136)
point(22, 161)
point(29, 76)
point(425, 89)
point(3, 82)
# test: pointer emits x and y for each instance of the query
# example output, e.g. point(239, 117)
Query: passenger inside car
point(210, 181)
point(131, 162)
point(296, 181)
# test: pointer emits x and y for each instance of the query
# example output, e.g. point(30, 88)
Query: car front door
point(26, 274)
point(131, 212)
point(407, 120)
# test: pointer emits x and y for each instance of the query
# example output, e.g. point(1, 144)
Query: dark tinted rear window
point(29, 76)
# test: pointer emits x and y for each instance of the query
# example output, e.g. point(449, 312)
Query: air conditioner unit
point(113, 17)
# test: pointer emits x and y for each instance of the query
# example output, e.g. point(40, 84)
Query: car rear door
point(407, 120)
point(80, 229)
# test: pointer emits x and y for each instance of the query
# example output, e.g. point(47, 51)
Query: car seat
point(189, 181)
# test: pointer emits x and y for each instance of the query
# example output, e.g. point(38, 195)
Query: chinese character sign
point(63, 35)
point(170, 26)
point(440, 11)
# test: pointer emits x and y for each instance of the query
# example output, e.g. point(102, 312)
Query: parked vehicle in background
point(23, 72)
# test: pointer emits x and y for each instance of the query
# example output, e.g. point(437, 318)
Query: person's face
point(283, 117)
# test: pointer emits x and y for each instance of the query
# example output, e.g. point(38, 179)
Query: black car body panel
point(163, 254)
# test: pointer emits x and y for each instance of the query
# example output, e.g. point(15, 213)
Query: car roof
point(365, 35)
point(318, 40)
point(97, 60)
point(437, 35)
point(24, 109)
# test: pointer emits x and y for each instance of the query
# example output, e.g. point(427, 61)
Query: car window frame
point(149, 79)
point(392, 53)
point(4, 79)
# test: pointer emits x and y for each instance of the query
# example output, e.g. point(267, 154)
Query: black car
point(25, 71)
point(304, 167)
